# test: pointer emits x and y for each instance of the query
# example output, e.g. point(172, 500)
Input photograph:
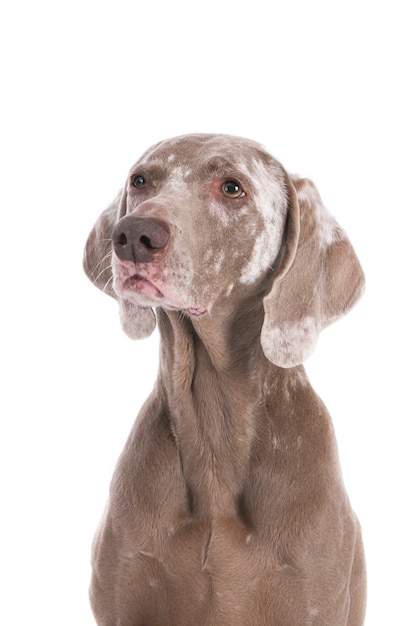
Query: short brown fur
point(227, 506)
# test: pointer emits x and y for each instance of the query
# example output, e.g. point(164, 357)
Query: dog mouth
point(145, 288)
point(139, 283)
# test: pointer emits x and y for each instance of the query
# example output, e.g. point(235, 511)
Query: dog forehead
point(194, 159)
point(199, 149)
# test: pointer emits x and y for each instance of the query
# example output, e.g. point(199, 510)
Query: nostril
point(121, 240)
point(146, 241)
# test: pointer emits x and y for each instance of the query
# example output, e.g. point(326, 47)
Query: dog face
point(204, 218)
point(222, 203)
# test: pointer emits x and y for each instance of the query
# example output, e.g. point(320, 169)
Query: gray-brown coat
point(227, 507)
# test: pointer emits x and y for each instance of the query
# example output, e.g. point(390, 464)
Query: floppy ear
point(136, 322)
point(318, 281)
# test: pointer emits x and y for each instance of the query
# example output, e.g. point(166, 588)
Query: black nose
point(137, 239)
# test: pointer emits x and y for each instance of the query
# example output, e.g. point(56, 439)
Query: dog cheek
point(214, 261)
point(266, 244)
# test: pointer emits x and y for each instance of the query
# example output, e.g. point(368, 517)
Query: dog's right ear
point(136, 321)
point(319, 279)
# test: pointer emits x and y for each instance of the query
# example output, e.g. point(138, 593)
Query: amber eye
point(138, 181)
point(232, 189)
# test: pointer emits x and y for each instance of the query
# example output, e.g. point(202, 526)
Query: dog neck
point(212, 375)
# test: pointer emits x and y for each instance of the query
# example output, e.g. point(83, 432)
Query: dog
point(227, 506)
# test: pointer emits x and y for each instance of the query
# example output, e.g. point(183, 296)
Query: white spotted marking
point(327, 228)
point(217, 265)
point(263, 254)
point(293, 342)
point(270, 201)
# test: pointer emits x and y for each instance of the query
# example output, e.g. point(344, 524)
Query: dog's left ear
point(319, 279)
point(137, 322)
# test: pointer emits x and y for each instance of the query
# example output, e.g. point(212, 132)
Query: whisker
point(107, 283)
point(195, 273)
point(108, 267)
point(104, 258)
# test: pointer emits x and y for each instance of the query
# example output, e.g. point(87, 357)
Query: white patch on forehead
point(171, 157)
point(177, 174)
point(177, 177)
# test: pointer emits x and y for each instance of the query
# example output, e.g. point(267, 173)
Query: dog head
point(203, 218)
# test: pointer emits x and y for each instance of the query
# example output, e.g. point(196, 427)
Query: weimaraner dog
point(227, 507)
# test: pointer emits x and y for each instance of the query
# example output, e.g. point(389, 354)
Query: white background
point(86, 87)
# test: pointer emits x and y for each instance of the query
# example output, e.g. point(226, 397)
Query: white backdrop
point(330, 89)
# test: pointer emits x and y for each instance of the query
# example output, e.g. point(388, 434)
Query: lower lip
point(144, 286)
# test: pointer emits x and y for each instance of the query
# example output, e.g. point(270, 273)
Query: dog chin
point(139, 290)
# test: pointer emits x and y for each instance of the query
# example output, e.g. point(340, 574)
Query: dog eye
point(139, 181)
point(232, 189)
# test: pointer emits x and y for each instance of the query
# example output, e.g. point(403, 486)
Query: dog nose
point(138, 239)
